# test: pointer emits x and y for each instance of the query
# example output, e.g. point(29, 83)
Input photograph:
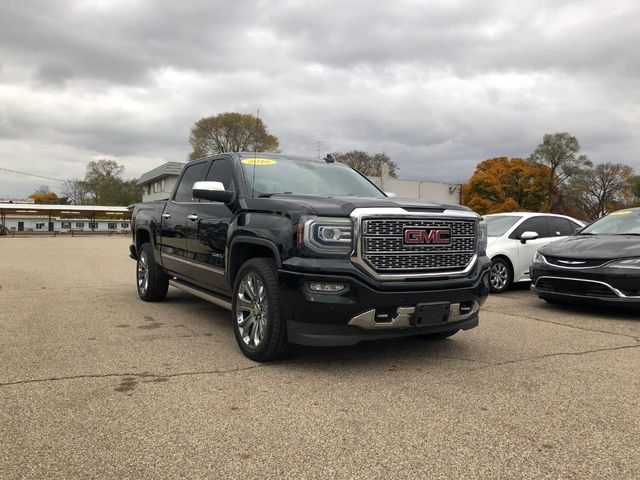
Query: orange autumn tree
point(507, 185)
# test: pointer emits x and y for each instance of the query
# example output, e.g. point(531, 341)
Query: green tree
point(230, 132)
point(561, 153)
point(103, 185)
point(366, 163)
point(503, 185)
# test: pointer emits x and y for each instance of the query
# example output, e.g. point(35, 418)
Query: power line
point(32, 175)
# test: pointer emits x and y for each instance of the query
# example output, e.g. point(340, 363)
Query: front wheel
point(258, 325)
point(500, 276)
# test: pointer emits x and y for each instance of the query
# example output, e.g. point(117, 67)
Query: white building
point(15, 223)
point(438, 192)
point(157, 184)
point(16, 217)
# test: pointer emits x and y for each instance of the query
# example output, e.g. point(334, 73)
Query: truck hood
point(343, 206)
point(596, 247)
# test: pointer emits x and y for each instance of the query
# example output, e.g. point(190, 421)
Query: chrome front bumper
point(403, 316)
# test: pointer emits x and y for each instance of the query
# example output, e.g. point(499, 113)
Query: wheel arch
point(143, 235)
point(242, 249)
point(506, 257)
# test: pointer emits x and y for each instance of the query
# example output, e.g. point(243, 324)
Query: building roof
point(34, 209)
point(164, 170)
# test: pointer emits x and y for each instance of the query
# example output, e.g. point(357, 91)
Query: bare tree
point(606, 187)
point(367, 164)
point(76, 191)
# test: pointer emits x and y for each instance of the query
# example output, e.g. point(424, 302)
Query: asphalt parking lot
point(97, 384)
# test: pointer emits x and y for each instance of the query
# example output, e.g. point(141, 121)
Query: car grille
point(383, 248)
point(574, 287)
point(567, 262)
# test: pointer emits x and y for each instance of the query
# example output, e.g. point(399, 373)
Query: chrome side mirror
point(213, 191)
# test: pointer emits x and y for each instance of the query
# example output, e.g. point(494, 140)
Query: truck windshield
point(623, 222)
point(269, 176)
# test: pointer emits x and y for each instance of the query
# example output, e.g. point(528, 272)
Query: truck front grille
point(384, 248)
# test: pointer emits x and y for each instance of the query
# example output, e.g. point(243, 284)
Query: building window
point(79, 224)
point(39, 226)
point(93, 225)
point(112, 225)
point(66, 225)
point(124, 225)
point(162, 185)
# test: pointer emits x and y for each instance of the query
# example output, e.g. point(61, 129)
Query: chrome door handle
point(193, 217)
point(166, 215)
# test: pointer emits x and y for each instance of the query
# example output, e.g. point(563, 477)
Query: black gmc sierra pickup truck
point(310, 252)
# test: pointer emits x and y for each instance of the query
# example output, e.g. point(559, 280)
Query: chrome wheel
point(499, 276)
point(252, 312)
point(143, 273)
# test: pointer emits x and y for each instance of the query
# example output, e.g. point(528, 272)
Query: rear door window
point(560, 227)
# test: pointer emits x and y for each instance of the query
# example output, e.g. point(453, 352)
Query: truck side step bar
point(203, 294)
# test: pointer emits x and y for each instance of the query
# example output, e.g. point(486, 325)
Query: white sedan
point(514, 239)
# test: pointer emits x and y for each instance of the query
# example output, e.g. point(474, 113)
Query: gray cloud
point(439, 86)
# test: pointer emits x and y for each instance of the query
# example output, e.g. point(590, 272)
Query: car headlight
point(482, 236)
point(629, 263)
point(538, 258)
point(333, 236)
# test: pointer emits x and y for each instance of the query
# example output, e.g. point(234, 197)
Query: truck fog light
point(327, 287)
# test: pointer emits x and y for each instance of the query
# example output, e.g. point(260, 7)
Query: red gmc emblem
point(419, 236)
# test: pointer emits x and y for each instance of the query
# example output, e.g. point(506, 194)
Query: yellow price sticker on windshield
point(258, 161)
point(622, 212)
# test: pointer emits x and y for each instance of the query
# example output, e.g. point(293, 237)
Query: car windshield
point(623, 222)
point(272, 175)
point(498, 225)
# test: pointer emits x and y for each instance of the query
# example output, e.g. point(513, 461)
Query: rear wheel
point(500, 276)
point(151, 281)
point(258, 325)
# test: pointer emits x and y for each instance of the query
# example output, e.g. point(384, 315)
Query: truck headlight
point(482, 236)
point(629, 263)
point(327, 235)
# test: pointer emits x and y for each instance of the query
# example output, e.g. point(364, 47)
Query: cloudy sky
point(438, 85)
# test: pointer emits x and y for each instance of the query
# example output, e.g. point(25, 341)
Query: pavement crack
point(129, 374)
point(230, 370)
point(565, 354)
point(528, 317)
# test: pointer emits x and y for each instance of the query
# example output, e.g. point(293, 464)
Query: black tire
point(500, 275)
point(273, 343)
point(440, 335)
point(154, 288)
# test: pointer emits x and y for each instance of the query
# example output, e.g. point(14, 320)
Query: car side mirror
point(213, 191)
point(528, 236)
